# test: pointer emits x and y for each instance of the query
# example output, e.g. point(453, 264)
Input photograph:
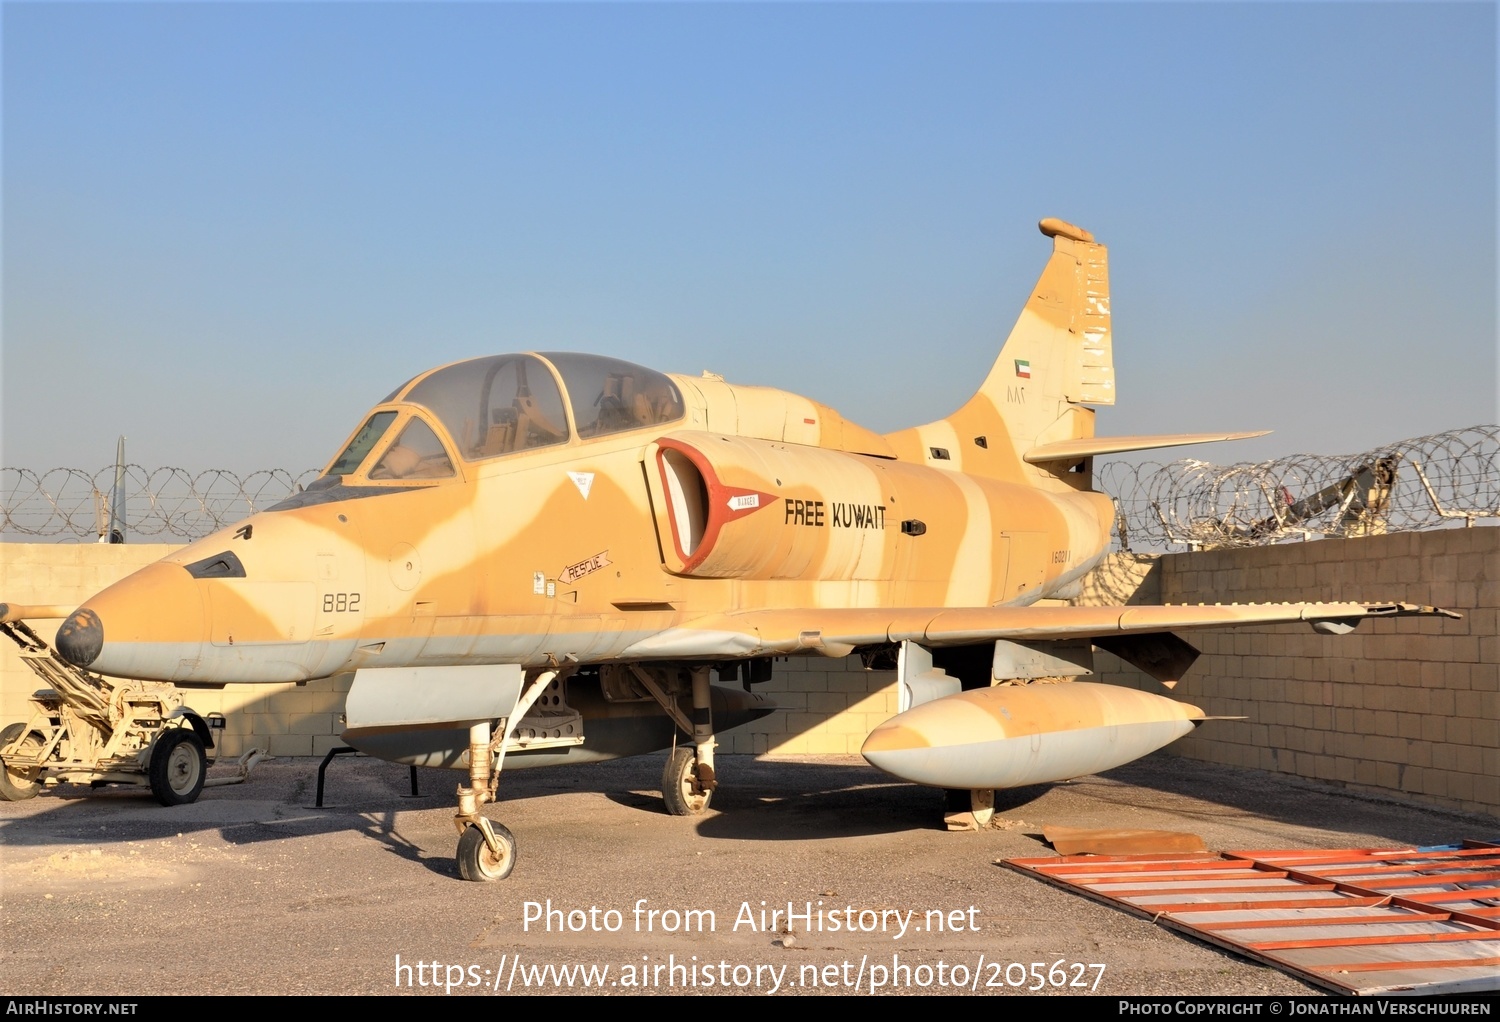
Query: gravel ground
point(252, 890)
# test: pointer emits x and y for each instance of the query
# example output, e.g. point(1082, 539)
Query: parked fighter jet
point(539, 559)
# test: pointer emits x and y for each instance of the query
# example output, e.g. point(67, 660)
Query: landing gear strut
point(487, 850)
point(688, 781)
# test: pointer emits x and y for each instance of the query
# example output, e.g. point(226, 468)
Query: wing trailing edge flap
point(835, 631)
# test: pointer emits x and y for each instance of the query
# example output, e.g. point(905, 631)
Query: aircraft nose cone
point(156, 619)
point(81, 637)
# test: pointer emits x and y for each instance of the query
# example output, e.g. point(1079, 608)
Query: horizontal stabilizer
point(1066, 450)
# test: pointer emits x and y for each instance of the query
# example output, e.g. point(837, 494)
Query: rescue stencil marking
point(573, 572)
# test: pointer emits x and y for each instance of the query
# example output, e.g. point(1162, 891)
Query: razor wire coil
point(168, 503)
point(1442, 480)
point(1428, 482)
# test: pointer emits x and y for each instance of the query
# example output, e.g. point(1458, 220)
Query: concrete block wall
point(1408, 707)
point(827, 706)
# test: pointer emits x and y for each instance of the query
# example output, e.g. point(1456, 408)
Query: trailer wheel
point(19, 783)
point(178, 767)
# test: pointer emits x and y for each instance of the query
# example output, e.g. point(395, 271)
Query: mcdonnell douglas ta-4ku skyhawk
point(540, 559)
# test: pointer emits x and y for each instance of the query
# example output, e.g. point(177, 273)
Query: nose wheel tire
point(679, 784)
point(477, 861)
point(178, 767)
point(18, 783)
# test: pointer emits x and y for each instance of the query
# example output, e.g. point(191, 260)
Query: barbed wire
point(170, 503)
point(1423, 483)
point(1428, 482)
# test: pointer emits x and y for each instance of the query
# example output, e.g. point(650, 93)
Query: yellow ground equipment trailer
point(88, 729)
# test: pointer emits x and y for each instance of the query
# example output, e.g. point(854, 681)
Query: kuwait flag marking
point(1023, 369)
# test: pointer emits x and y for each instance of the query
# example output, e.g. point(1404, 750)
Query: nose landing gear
point(487, 850)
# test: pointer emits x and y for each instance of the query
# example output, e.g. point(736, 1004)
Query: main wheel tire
point(178, 767)
point(477, 862)
point(17, 784)
point(679, 789)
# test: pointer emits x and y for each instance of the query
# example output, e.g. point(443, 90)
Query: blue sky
point(230, 228)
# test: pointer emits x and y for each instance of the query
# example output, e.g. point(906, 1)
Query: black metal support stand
point(344, 750)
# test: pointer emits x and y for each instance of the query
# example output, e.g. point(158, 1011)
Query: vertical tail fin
point(1063, 332)
point(1057, 360)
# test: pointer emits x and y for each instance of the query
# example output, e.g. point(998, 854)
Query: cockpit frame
point(456, 405)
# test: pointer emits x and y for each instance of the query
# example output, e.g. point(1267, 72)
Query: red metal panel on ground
point(1359, 921)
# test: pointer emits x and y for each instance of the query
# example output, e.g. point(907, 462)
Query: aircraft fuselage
point(582, 551)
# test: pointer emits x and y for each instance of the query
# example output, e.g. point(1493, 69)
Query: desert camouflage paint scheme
point(571, 516)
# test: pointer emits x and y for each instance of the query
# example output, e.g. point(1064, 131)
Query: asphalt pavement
point(253, 890)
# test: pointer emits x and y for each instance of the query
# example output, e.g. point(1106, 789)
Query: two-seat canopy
point(490, 407)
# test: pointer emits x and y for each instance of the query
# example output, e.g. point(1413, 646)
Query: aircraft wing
point(836, 631)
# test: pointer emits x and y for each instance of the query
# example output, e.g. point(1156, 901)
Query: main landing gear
point(688, 780)
point(681, 789)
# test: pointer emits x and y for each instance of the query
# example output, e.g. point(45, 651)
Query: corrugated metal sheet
point(1359, 921)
